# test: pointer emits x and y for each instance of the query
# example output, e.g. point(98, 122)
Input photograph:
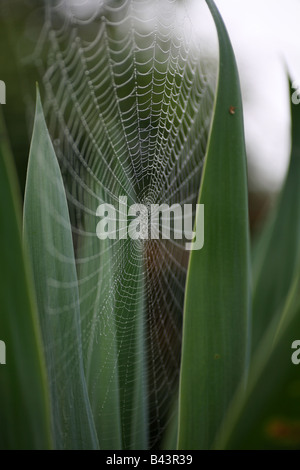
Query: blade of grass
point(113, 319)
point(48, 235)
point(24, 402)
point(99, 347)
point(130, 318)
point(277, 254)
point(268, 415)
point(169, 441)
point(216, 315)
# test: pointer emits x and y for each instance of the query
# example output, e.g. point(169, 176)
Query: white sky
point(266, 40)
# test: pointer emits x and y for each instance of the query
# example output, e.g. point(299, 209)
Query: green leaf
point(169, 441)
point(216, 316)
point(113, 317)
point(99, 330)
point(47, 231)
point(277, 251)
point(132, 350)
point(268, 415)
point(24, 410)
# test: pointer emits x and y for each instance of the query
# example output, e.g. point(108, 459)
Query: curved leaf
point(48, 235)
point(24, 410)
point(277, 252)
point(268, 415)
point(216, 316)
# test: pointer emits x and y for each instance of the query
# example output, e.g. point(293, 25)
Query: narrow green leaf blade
point(100, 351)
point(277, 253)
point(113, 319)
point(48, 235)
point(24, 405)
point(132, 351)
point(268, 415)
point(216, 316)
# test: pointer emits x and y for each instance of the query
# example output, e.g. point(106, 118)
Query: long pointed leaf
point(268, 414)
point(216, 315)
point(113, 317)
point(277, 253)
point(48, 235)
point(24, 405)
point(99, 331)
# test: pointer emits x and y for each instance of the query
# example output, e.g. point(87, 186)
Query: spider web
point(128, 96)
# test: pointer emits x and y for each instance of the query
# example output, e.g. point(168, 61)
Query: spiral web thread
point(128, 98)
